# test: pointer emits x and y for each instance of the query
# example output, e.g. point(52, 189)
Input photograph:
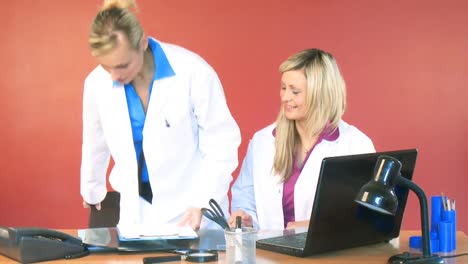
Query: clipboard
point(107, 240)
point(160, 232)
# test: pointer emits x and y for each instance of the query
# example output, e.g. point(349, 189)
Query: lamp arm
point(424, 218)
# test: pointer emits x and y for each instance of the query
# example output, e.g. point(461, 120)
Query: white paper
point(166, 231)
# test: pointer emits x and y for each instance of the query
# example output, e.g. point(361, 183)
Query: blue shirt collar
point(163, 67)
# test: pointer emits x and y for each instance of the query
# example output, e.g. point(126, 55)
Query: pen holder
point(240, 245)
point(443, 228)
point(450, 218)
point(436, 212)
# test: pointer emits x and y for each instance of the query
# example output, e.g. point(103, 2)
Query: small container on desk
point(443, 227)
point(240, 245)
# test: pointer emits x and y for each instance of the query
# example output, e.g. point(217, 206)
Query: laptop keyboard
point(295, 241)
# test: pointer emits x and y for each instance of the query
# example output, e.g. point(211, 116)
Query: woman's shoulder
point(353, 135)
point(176, 53)
point(350, 130)
point(98, 76)
point(265, 133)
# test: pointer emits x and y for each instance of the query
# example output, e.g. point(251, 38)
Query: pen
point(238, 223)
point(238, 252)
point(443, 201)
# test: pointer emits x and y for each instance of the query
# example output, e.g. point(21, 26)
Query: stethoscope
point(190, 255)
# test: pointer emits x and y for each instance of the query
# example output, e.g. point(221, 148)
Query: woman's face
point(293, 94)
point(123, 63)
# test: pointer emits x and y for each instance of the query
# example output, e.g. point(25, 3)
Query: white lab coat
point(259, 192)
point(190, 142)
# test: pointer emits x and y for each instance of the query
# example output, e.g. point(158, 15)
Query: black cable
point(83, 253)
point(454, 256)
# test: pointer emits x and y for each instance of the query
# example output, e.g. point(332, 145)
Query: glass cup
point(240, 245)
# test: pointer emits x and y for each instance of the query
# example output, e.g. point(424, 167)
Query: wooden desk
point(378, 253)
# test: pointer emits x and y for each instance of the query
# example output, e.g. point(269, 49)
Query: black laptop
point(337, 221)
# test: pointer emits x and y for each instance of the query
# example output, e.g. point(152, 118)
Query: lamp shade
point(379, 194)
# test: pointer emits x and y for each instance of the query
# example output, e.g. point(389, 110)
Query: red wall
point(405, 65)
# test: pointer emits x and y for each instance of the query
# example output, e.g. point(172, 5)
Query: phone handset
point(44, 233)
point(32, 244)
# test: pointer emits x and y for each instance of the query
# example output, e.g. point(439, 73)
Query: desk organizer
point(443, 237)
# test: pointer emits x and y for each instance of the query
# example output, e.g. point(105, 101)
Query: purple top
point(288, 187)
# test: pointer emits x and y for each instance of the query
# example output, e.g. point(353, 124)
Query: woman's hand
point(292, 225)
point(192, 217)
point(87, 205)
point(247, 220)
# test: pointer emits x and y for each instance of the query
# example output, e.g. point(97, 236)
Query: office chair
point(109, 214)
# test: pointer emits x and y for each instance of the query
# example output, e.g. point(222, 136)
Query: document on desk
point(160, 231)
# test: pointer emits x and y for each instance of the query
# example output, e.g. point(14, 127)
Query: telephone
point(32, 244)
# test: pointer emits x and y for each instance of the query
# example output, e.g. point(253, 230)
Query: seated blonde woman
point(277, 182)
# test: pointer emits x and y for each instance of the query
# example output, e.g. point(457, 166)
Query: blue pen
point(167, 123)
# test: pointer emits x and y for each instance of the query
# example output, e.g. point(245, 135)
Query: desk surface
point(377, 253)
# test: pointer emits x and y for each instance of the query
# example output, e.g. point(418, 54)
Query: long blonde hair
point(115, 15)
point(325, 102)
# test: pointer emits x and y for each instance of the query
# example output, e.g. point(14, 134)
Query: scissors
point(215, 214)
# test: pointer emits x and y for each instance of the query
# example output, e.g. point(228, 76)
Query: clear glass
point(240, 245)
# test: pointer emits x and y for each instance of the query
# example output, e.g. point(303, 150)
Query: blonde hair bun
point(120, 4)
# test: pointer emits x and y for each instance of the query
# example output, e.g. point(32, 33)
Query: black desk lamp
point(378, 195)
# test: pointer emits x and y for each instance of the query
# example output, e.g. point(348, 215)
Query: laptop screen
point(337, 221)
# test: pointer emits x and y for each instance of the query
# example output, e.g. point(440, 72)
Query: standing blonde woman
point(159, 111)
point(277, 181)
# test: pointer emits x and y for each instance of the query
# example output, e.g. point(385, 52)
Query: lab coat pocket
point(170, 136)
